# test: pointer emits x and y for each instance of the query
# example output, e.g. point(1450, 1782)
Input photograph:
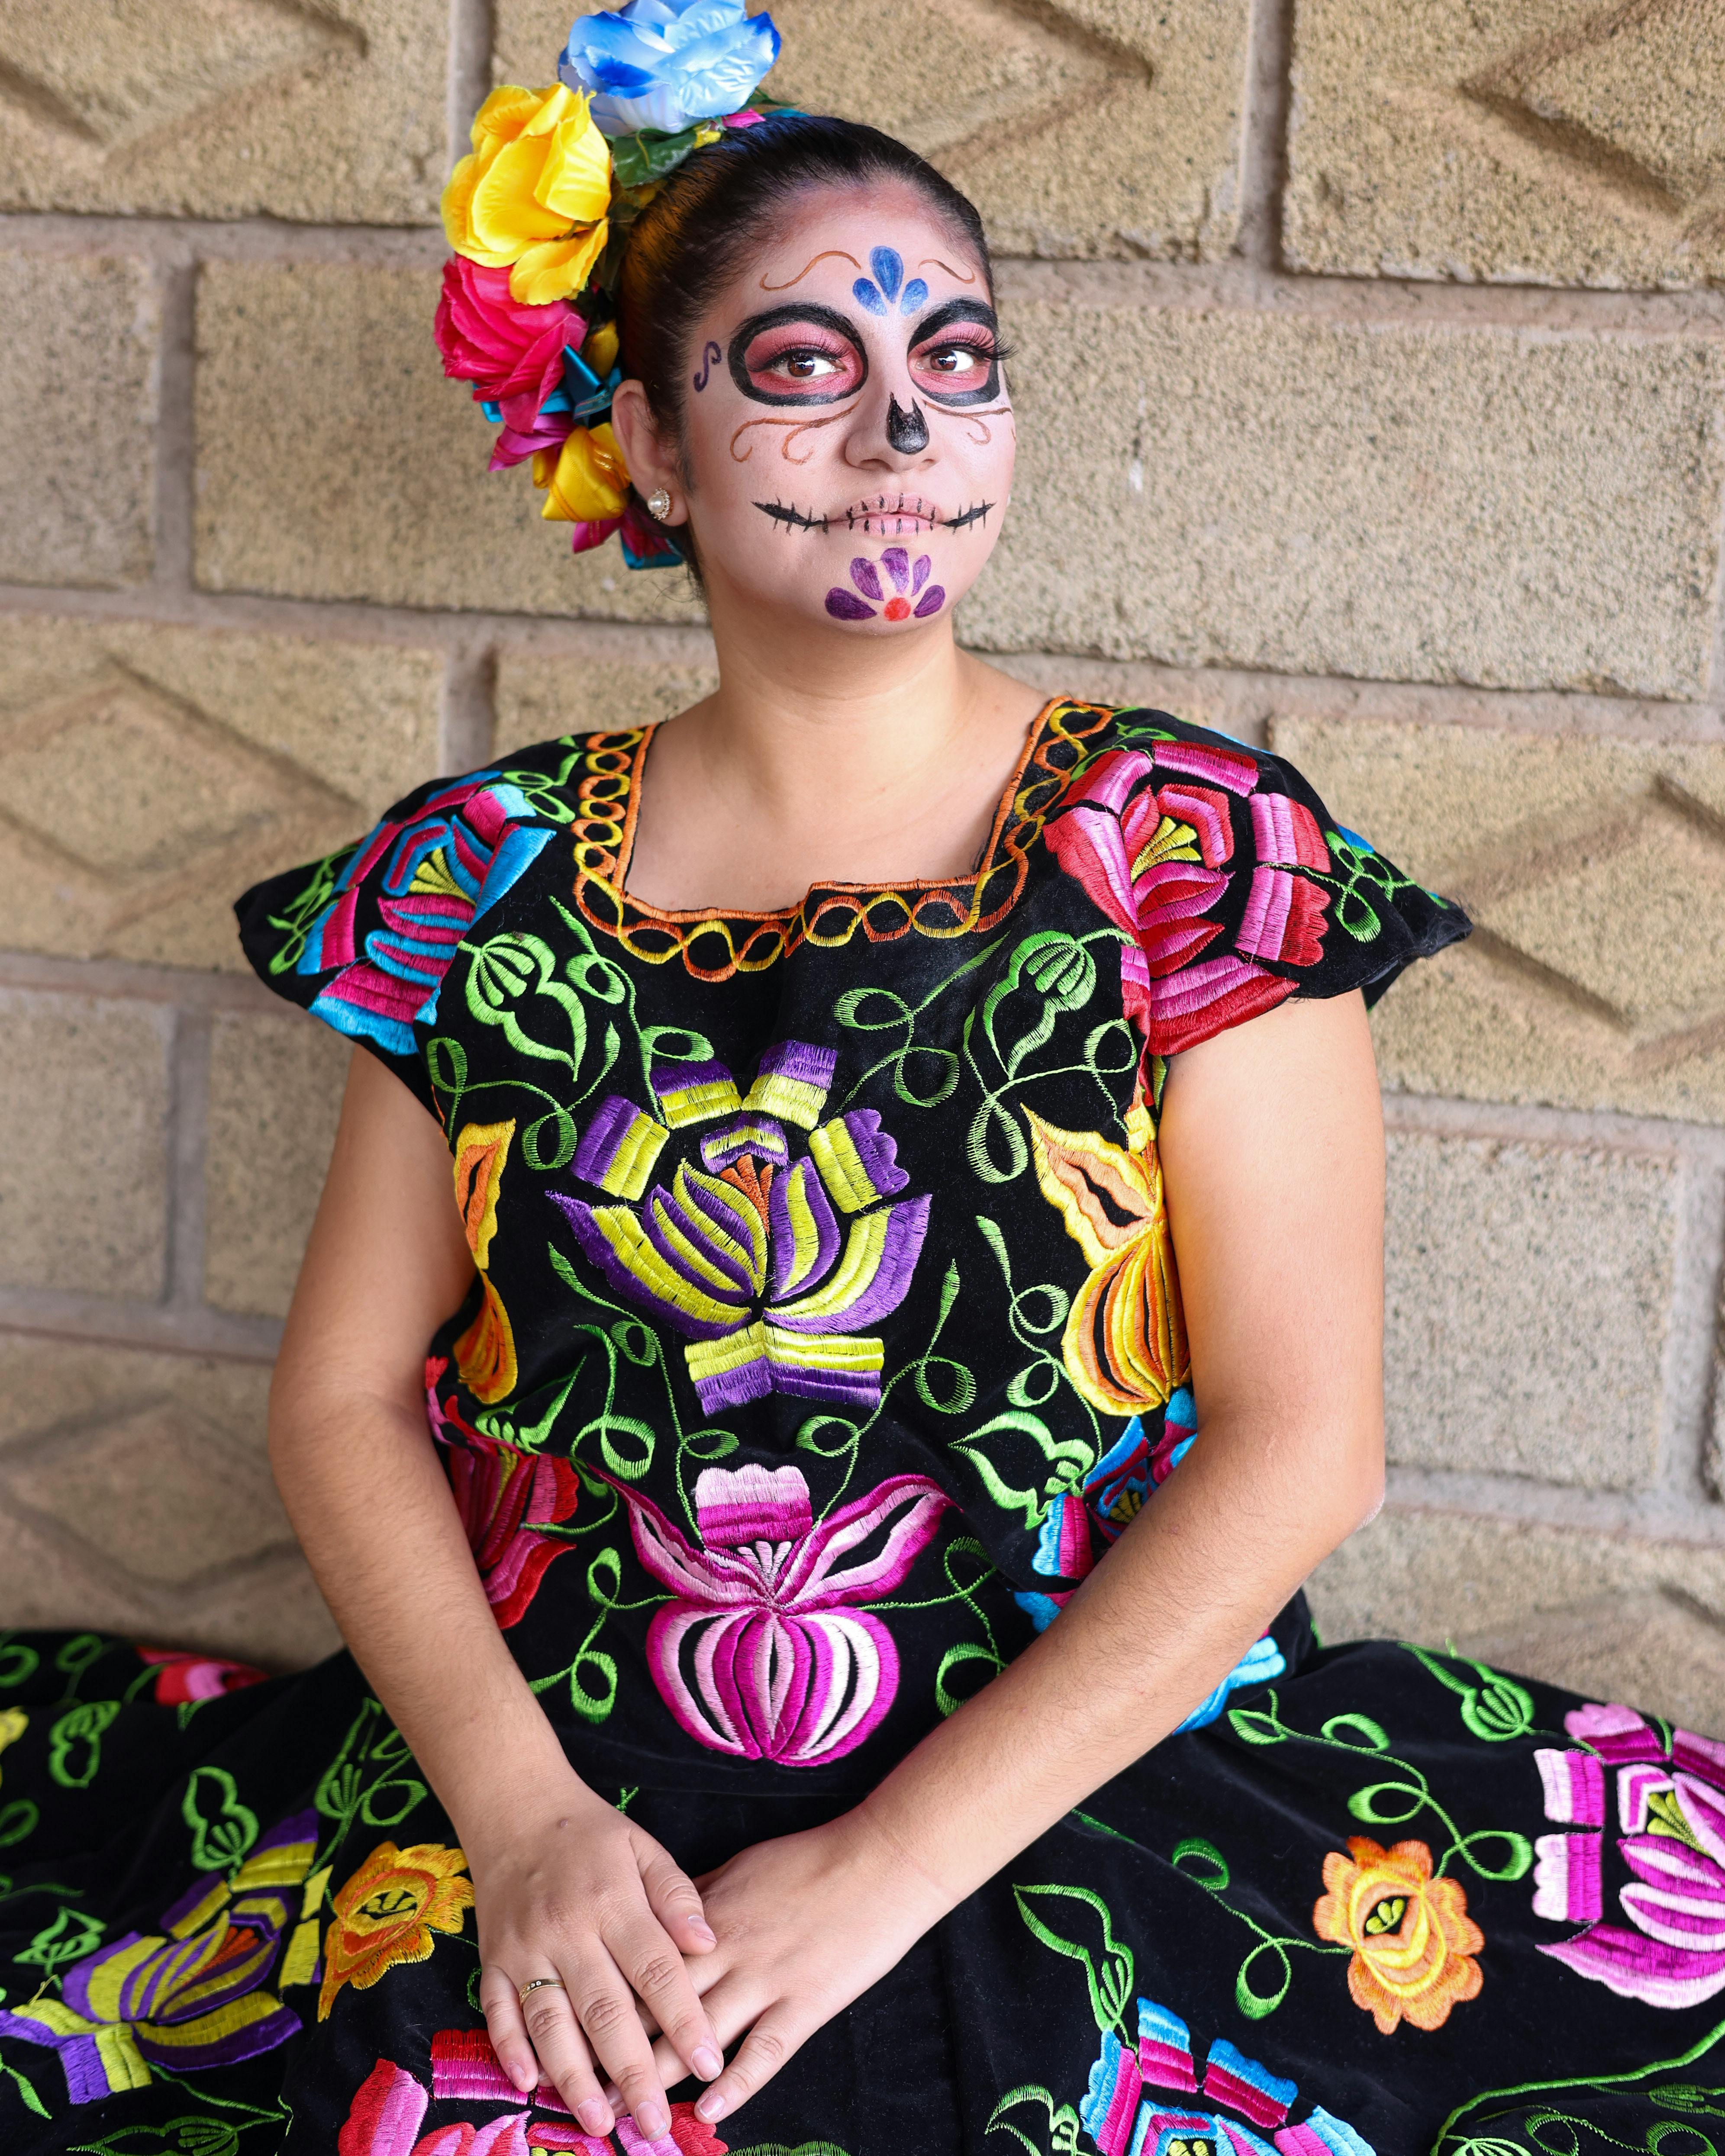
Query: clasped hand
point(654, 1976)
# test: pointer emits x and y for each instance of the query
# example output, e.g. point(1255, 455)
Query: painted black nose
point(908, 432)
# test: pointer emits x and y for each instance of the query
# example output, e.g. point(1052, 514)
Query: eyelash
point(988, 350)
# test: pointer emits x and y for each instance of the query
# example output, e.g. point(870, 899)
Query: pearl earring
point(659, 504)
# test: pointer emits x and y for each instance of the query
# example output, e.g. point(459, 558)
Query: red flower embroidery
point(505, 1498)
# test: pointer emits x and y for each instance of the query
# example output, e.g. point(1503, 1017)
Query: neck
point(823, 757)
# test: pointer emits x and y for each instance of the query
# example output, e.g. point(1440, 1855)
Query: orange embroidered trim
point(714, 944)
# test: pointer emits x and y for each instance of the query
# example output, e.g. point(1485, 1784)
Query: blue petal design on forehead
point(867, 293)
point(889, 268)
point(912, 297)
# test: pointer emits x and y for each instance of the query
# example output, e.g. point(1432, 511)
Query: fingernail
point(651, 2123)
point(525, 2078)
point(711, 2106)
point(703, 1930)
point(595, 2115)
point(707, 2062)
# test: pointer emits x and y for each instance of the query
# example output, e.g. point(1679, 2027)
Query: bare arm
point(564, 1885)
point(1271, 1144)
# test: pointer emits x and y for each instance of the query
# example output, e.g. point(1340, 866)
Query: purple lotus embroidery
point(908, 594)
point(742, 1253)
point(761, 1652)
point(1671, 1807)
point(193, 1999)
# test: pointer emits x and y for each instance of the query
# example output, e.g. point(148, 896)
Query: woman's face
point(846, 427)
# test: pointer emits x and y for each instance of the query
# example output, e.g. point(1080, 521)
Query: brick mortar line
point(56, 1314)
point(188, 1148)
point(467, 718)
point(1644, 1515)
point(1264, 133)
point(125, 979)
point(472, 37)
point(1346, 698)
point(1694, 1337)
point(1699, 1146)
point(1232, 285)
point(175, 444)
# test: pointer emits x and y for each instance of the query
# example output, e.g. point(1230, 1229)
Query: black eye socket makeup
point(826, 339)
point(925, 346)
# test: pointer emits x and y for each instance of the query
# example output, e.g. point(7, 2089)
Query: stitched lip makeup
point(891, 515)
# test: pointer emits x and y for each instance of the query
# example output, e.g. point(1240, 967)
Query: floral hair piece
point(538, 216)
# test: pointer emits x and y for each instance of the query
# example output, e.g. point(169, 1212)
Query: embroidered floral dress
point(825, 1332)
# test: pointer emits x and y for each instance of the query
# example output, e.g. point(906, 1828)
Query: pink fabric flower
point(762, 1653)
point(512, 354)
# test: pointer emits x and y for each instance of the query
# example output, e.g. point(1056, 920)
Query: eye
point(956, 360)
point(801, 359)
point(962, 366)
point(803, 365)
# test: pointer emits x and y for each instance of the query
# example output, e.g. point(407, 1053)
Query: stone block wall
point(1371, 380)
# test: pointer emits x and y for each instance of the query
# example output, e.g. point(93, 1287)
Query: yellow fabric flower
point(1413, 1940)
point(587, 478)
point(388, 1912)
point(531, 197)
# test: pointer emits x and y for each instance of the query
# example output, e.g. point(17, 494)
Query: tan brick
point(226, 108)
point(154, 773)
point(275, 1087)
point(1529, 1597)
point(77, 405)
point(134, 1498)
point(1399, 503)
point(83, 1182)
point(1527, 1292)
point(327, 378)
point(1595, 870)
point(1085, 127)
point(540, 696)
point(156, 1463)
point(1541, 141)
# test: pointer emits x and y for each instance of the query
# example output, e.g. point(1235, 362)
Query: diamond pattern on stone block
point(153, 65)
point(155, 1489)
point(123, 797)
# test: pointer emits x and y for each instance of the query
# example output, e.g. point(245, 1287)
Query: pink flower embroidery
point(1670, 1809)
point(180, 1679)
point(1154, 857)
point(505, 1499)
point(763, 1653)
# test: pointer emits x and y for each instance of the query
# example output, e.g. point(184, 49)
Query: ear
point(651, 459)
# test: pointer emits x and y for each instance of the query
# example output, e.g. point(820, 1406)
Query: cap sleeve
point(1237, 886)
point(363, 938)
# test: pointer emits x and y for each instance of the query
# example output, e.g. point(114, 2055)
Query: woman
point(771, 1644)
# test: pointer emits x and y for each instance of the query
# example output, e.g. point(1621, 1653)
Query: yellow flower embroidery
point(13, 1722)
point(1413, 1940)
point(388, 1912)
point(1125, 1343)
point(485, 1354)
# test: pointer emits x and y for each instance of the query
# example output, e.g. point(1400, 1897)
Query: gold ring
point(540, 1984)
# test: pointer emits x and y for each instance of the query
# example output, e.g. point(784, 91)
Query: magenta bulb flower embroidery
point(761, 1651)
point(911, 591)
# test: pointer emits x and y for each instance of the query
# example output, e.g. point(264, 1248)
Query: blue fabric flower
point(666, 64)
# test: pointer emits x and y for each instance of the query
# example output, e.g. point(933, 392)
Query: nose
point(906, 432)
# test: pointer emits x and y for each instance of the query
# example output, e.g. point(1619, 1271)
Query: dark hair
point(693, 236)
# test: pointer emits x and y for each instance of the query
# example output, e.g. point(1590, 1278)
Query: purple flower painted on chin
point(908, 595)
point(761, 1652)
point(1671, 1807)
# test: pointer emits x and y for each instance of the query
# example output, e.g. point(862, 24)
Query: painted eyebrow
point(954, 310)
point(824, 317)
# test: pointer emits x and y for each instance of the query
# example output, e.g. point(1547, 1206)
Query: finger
point(605, 2007)
point(649, 1958)
point(772, 2039)
point(732, 2006)
point(676, 1900)
point(500, 2004)
point(564, 2055)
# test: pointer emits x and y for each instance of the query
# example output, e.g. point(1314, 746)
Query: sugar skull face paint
point(847, 463)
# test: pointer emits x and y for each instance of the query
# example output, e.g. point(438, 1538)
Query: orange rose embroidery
point(388, 1912)
point(1412, 1939)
